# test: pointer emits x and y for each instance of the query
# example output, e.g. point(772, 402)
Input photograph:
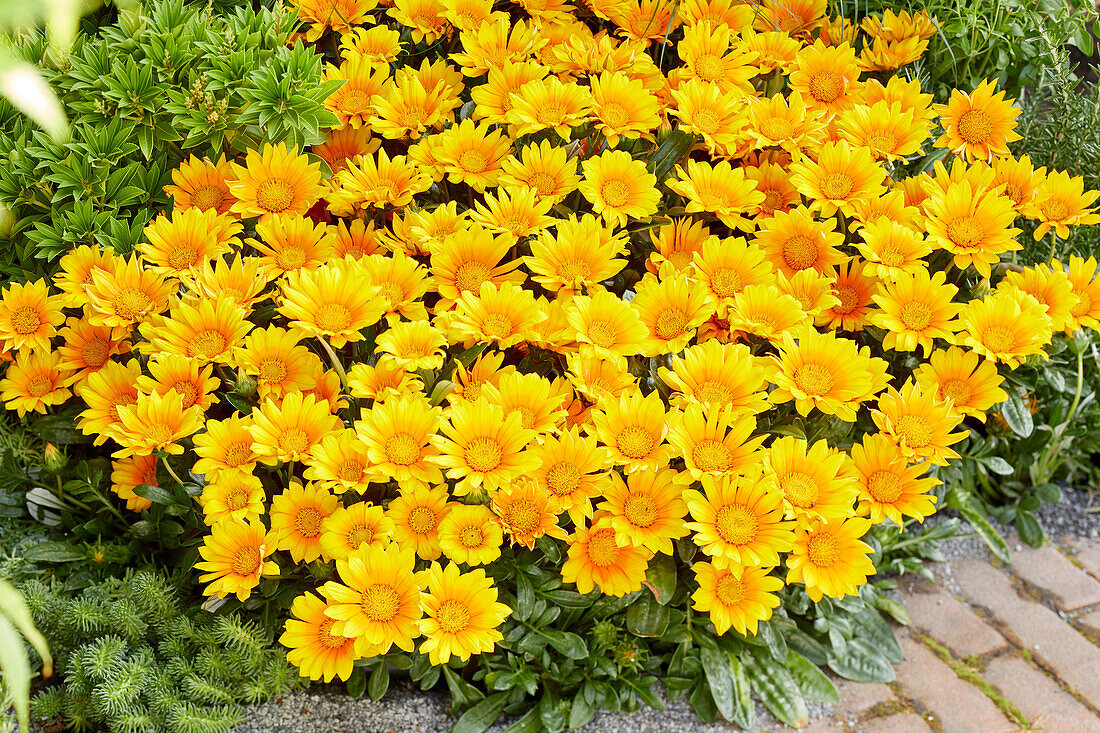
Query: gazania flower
point(496, 45)
point(919, 423)
point(470, 535)
point(888, 487)
point(623, 107)
point(812, 479)
point(378, 598)
point(970, 383)
point(208, 331)
point(719, 189)
point(240, 282)
point(35, 381)
point(517, 215)
point(85, 349)
point(461, 613)
point(288, 430)
point(715, 440)
point(379, 44)
point(915, 310)
point(381, 381)
point(275, 181)
point(330, 301)
point(29, 317)
point(794, 241)
point(232, 496)
point(671, 306)
point(486, 369)
point(812, 289)
point(345, 144)
point(405, 108)
point(351, 103)
point(607, 325)
point(573, 470)
point(233, 558)
point(718, 12)
point(375, 182)
point(538, 402)
point(339, 15)
point(493, 100)
point(830, 559)
point(190, 238)
point(774, 181)
point(774, 49)
point(347, 529)
point(764, 311)
point(978, 125)
point(155, 423)
point(599, 378)
point(129, 473)
point(1086, 286)
point(402, 281)
point(1062, 202)
point(738, 521)
point(548, 104)
point(277, 360)
point(1020, 180)
point(318, 653)
point(717, 375)
point(504, 315)
point(396, 433)
point(471, 154)
point(634, 429)
point(826, 372)
point(677, 243)
point(598, 560)
point(1005, 328)
point(887, 132)
point(424, 18)
point(416, 513)
point(827, 77)
point(481, 448)
point(644, 20)
point(225, 448)
point(737, 597)
point(619, 187)
point(292, 243)
point(728, 266)
point(840, 176)
point(340, 461)
point(853, 289)
point(647, 509)
point(467, 260)
point(526, 512)
point(546, 169)
point(974, 226)
point(74, 274)
point(580, 256)
point(193, 381)
point(891, 249)
point(884, 55)
point(104, 392)
point(785, 122)
point(413, 345)
point(203, 185)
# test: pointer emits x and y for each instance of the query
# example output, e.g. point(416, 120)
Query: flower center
point(671, 323)
point(471, 537)
point(484, 454)
point(848, 297)
point(272, 371)
point(131, 304)
point(729, 590)
point(800, 252)
point(236, 499)
point(776, 128)
point(274, 195)
point(380, 602)
point(635, 442)
point(328, 639)
point(956, 390)
point(574, 270)
point(712, 456)
point(522, 516)
point(998, 339)
point(351, 471)
point(563, 479)
point(884, 486)
point(726, 282)
point(208, 343)
point(709, 67)
point(246, 561)
point(1083, 304)
point(207, 197)
point(603, 551)
point(826, 86)
point(736, 524)
point(402, 450)
point(183, 257)
point(473, 161)
point(892, 257)
point(615, 194)
point(550, 115)
point(353, 101)
point(293, 440)
point(393, 293)
point(453, 617)
point(714, 393)
point(470, 276)
point(799, 489)
point(602, 334)
point(836, 186)
point(497, 326)
point(1054, 210)
point(914, 430)
point(823, 549)
point(94, 353)
point(705, 121)
point(189, 394)
point(158, 434)
point(292, 257)
point(975, 126)
point(238, 453)
point(640, 510)
point(543, 183)
point(613, 114)
point(814, 379)
point(122, 399)
point(422, 520)
point(40, 386)
point(881, 141)
point(965, 233)
point(916, 316)
point(333, 317)
point(308, 522)
point(25, 320)
point(773, 199)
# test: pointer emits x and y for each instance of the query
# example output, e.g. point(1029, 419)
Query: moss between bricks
point(908, 704)
point(973, 675)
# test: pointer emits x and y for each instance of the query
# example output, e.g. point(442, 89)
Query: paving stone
point(1046, 568)
point(1034, 627)
point(1039, 697)
point(1087, 553)
point(959, 706)
point(857, 698)
point(1091, 621)
point(900, 723)
point(949, 622)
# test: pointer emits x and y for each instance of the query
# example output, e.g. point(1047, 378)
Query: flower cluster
point(502, 319)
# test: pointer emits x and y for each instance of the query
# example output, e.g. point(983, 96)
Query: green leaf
point(716, 668)
point(671, 149)
point(463, 694)
point(565, 642)
point(525, 597)
point(51, 551)
point(567, 598)
point(529, 723)
point(17, 624)
point(59, 429)
point(861, 662)
point(893, 608)
point(478, 718)
point(744, 714)
point(811, 680)
point(582, 712)
point(357, 683)
point(647, 617)
point(239, 403)
point(379, 681)
point(778, 691)
point(1031, 532)
point(998, 465)
point(661, 578)
point(974, 512)
point(777, 647)
point(1050, 493)
point(1017, 415)
point(874, 630)
point(155, 494)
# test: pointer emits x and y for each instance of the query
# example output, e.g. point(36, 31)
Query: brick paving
point(991, 648)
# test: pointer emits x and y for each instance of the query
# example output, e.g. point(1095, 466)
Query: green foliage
point(16, 629)
point(131, 659)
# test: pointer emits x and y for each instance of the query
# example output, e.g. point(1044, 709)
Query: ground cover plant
point(594, 345)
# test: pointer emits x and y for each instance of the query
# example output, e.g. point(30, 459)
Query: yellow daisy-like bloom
point(85, 349)
point(672, 306)
point(405, 108)
point(74, 273)
point(193, 381)
point(841, 176)
point(486, 369)
point(1061, 202)
point(597, 559)
point(104, 392)
point(919, 423)
point(827, 77)
point(889, 489)
point(416, 513)
point(225, 448)
point(538, 402)
point(318, 653)
point(34, 381)
point(207, 331)
point(504, 315)
point(203, 185)
point(718, 12)
point(424, 18)
point(345, 144)
point(341, 462)
point(288, 430)
point(915, 310)
point(717, 375)
point(189, 238)
point(573, 469)
point(905, 93)
point(232, 496)
point(785, 122)
point(493, 100)
point(775, 49)
point(376, 182)
point(339, 15)
point(29, 316)
point(794, 241)
point(812, 290)
point(884, 55)
point(830, 559)
point(763, 311)
point(378, 598)
point(715, 440)
point(154, 423)
point(496, 45)
point(467, 260)
point(472, 154)
point(823, 371)
point(739, 521)
point(1020, 180)
point(676, 244)
point(634, 430)
point(619, 187)
point(129, 473)
point(233, 558)
point(381, 381)
point(548, 104)
point(330, 301)
point(379, 44)
point(397, 434)
point(413, 345)
point(526, 512)
point(774, 181)
point(580, 256)
point(1050, 287)
point(348, 528)
point(892, 249)
point(971, 384)
point(647, 510)
point(978, 125)
point(719, 189)
point(275, 181)
point(327, 389)
point(1005, 328)
point(470, 535)
point(351, 103)
point(599, 378)
point(240, 282)
point(402, 281)
point(708, 57)
point(461, 613)
point(544, 168)
point(481, 448)
point(280, 364)
point(518, 215)
point(469, 15)
point(813, 480)
point(728, 266)
point(292, 243)
point(718, 116)
point(1086, 286)
point(736, 597)
point(973, 225)
point(623, 107)
point(606, 325)
point(886, 131)
point(853, 288)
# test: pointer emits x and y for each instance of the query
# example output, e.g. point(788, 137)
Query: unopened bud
point(53, 459)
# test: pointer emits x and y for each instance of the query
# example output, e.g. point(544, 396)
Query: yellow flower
point(853, 288)
point(376, 182)
point(887, 132)
point(288, 430)
point(526, 512)
point(888, 487)
point(619, 187)
point(827, 76)
point(728, 266)
point(86, 349)
point(193, 381)
point(774, 181)
point(1061, 202)
point(634, 429)
point(791, 16)
point(129, 473)
point(546, 169)
point(35, 381)
point(203, 185)
point(973, 225)
point(155, 422)
point(739, 521)
point(892, 249)
point(473, 155)
point(233, 558)
point(573, 469)
point(379, 45)
point(29, 316)
point(830, 559)
point(970, 383)
point(351, 103)
point(671, 306)
point(717, 375)
point(504, 315)
point(225, 448)
point(794, 241)
point(470, 535)
point(397, 434)
point(461, 613)
point(330, 301)
point(598, 560)
point(493, 99)
point(378, 598)
point(341, 462)
point(278, 361)
point(736, 597)
point(1005, 328)
point(915, 310)
point(676, 243)
point(719, 189)
point(496, 45)
point(413, 345)
point(348, 528)
point(416, 513)
point(339, 15)
point(481, 448)
point(623, 107)
point(580, 256)
point(548, 104)
point(812, 479)
point(296, 518)
point(74, 273)
point(978, 125)
point(402, 281)
point(292, 243)
point(647, 510)
point(232, 496)
point(405, 108)
point(1086, 286)
point(104, 392)
point(606, 325)
point(485, 370)
point(345, 144)
point(318, 653)
point(516, 215)
point(424, 18)
point(207, 331)
point(190, 238)
point(919, 423)
point(240, 282)
point(538, 402)
point(275, 181)
point(712, 56)
point(764, 311)
point(841, 176)
point(467, 260)
point(785, 122)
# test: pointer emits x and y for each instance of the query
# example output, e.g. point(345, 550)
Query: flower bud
point(53, 459)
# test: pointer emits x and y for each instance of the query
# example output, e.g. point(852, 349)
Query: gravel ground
point(326, 709)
